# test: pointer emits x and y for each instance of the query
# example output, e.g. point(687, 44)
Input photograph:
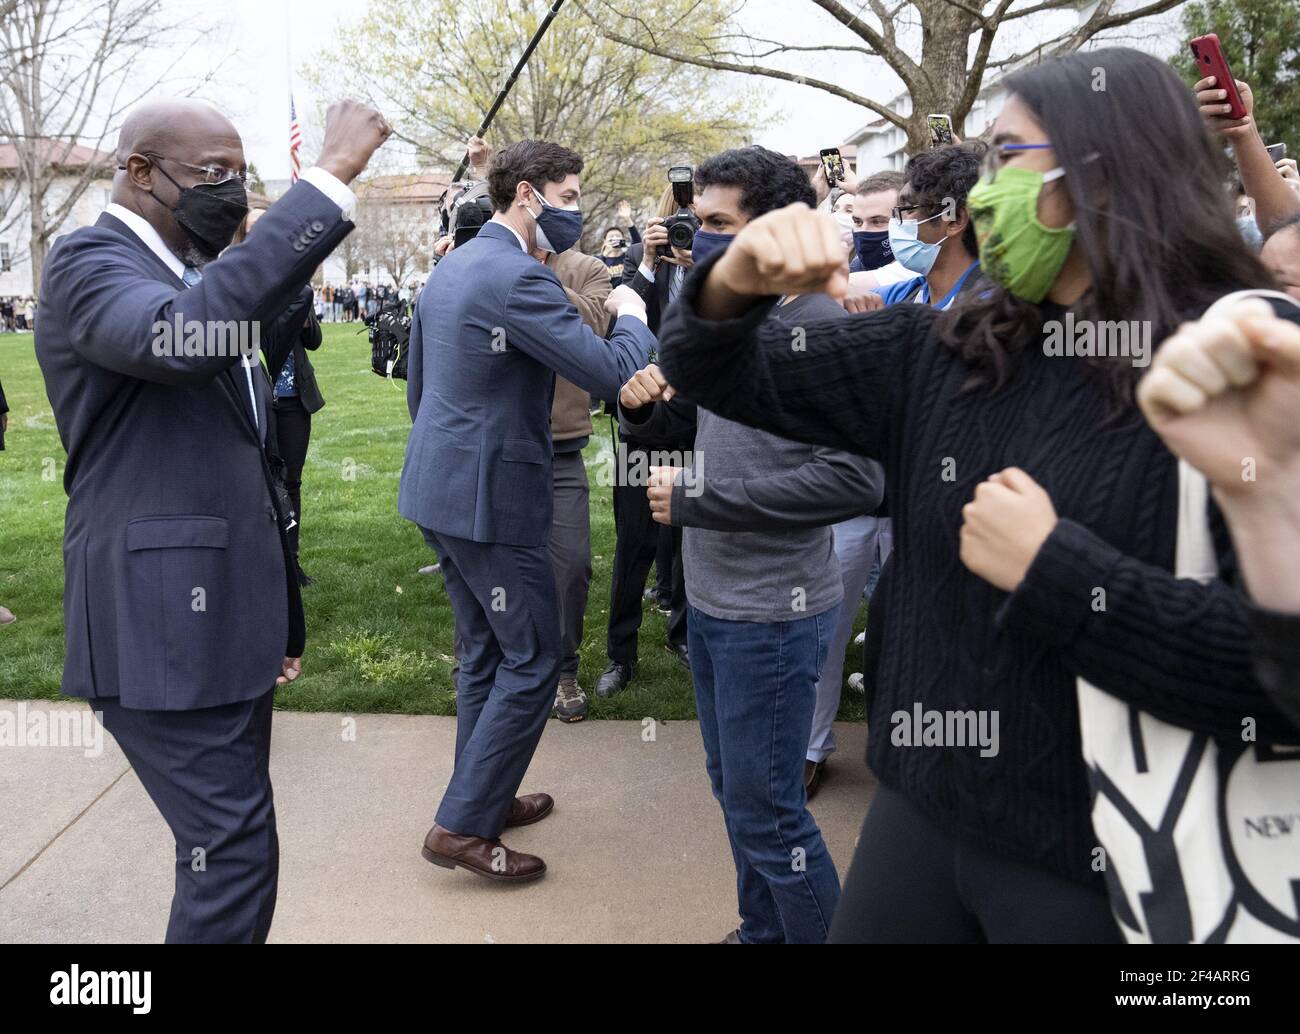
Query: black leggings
point(293, 434)
point(910, 883)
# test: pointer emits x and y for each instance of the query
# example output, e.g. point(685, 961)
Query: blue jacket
point(491, 329)
point(177, 591)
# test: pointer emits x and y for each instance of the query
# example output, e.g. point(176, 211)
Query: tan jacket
point(586, 281)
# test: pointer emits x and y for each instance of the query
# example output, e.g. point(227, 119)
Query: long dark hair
point(1151, 213)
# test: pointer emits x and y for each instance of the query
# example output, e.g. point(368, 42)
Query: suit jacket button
point(318, 226)
point(299, 246)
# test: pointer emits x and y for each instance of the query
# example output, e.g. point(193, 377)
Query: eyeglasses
point(901, 212)
point(210, 173)
point(995, 156)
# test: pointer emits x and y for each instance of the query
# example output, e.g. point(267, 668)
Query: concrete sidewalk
point(636, 850)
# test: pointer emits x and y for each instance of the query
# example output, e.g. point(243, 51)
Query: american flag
point(295, 142)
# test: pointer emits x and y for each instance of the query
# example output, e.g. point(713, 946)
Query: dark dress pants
point(507, 622)
point(207, 771)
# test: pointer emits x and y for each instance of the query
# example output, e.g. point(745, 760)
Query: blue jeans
point(755, 688)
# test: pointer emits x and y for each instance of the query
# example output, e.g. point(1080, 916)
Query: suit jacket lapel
point(236, 389)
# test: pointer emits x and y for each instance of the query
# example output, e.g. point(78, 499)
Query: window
point(6, 263)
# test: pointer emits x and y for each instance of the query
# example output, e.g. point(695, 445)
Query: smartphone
point(1276, 152)
point(940, 129)
point(1210, 61)
point(833, 164)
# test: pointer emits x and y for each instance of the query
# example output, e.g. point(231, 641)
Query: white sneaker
point(860, 639)
point(856, 683)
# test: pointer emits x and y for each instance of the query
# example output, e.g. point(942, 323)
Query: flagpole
point(288, 76)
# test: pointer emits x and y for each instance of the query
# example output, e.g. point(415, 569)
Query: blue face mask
point(873, 248)
point(1250, 232)
point(705, 244)
point(912, 252)
point(558, 229)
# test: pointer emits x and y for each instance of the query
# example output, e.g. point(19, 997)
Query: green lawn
point(379, 634)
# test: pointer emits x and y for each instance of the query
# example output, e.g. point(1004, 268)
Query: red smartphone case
point(1210, 61)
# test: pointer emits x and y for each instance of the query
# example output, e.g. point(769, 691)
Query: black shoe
point(663, 601)
point(812, 777)
point(615, 679)
point(682, 654)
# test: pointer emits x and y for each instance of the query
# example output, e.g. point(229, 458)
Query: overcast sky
point(255, 36)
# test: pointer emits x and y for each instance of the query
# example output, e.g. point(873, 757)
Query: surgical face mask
point(873, 248)
point(558, 229)
point(912, 252)
point(845, 220)
point(705, 244)
point(1250, 232)
point(209, 213)
point(1018, 252)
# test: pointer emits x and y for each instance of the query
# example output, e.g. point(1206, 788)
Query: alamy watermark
point(206, 338)
point(25, 726)
point(1112, 339)
point(921, 728)
point(631, 468)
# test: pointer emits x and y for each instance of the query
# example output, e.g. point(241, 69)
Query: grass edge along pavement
point(379, 634)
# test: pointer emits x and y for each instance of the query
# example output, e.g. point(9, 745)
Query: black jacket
point(882, 384)
point(296, 331)
point(654, 294)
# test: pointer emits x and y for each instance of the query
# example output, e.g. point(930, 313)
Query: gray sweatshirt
point(757, 509)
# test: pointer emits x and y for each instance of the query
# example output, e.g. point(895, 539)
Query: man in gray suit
point(491, 330)
point(181, 610)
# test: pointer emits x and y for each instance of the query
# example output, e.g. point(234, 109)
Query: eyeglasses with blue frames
point(997, 155)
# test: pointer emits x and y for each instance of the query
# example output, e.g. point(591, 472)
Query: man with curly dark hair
point(762, 582)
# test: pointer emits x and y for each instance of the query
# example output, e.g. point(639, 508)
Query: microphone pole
point(510, 82)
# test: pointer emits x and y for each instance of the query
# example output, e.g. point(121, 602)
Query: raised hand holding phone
point(1226, 103)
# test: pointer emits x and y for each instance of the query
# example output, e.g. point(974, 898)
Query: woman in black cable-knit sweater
point(1073, 547)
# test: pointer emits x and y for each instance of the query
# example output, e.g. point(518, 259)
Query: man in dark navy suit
point(491, 330)
point(181, 610)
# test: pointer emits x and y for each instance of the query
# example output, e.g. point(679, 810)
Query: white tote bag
point(1201, 837)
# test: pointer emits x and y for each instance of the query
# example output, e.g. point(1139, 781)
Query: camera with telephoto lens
point(682, 224)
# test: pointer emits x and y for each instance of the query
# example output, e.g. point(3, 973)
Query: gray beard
point(192, 256)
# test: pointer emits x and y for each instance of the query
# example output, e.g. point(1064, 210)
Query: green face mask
point(1017, 252)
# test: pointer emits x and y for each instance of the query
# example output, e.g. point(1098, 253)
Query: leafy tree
point(434, 67)
point(940, 49)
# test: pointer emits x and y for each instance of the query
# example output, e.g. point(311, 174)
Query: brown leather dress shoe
point(490, 859)
point(530, 808)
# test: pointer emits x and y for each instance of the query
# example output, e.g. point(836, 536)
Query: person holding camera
point(616, 241)
point(655, 270)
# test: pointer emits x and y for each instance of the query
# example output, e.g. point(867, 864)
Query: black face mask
point(209, 212)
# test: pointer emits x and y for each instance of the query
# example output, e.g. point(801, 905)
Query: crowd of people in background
point(362, 300)
point(17, 313)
